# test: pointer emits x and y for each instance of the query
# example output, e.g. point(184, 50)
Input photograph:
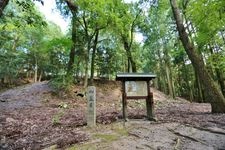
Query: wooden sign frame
point(124, 77)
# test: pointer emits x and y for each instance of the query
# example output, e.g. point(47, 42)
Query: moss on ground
point(102, 136)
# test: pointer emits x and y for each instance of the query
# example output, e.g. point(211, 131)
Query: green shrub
point(62, 84)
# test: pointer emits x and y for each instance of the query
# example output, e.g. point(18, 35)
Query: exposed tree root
point(133, 134)
point(177, 145)
point(217, 122)
point(188, 137)
point(208, 130)
point(150, 147)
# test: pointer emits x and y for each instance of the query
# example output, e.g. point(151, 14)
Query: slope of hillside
point(32, 117)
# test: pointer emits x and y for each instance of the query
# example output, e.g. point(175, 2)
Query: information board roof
point(135, 76)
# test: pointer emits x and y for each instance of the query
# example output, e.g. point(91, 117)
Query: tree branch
point(3, 4)
point(72, 6)
point(132, 28)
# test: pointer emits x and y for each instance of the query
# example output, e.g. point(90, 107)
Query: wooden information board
point(137, 86)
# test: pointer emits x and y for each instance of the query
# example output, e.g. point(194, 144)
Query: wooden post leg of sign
point(150, 104)
point(124, 102)
point(125, 107)
point(91, 112)
point(150, 108)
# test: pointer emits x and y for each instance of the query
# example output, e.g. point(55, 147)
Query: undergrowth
point(63, 85)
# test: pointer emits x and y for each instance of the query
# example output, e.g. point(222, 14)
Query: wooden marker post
point(91, 111)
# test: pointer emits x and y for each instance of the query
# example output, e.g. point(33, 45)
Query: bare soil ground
point(32, 117)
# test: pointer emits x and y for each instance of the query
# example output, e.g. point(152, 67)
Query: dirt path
point(140, 134)
point(32, 118)
point(164, 136)
point(24, 96)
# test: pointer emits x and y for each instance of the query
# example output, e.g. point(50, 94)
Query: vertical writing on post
point(91, 111)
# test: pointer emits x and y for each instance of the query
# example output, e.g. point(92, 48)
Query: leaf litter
point(31, 117)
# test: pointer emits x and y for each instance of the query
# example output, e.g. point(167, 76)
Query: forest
point(183, 43)
point(101, 42)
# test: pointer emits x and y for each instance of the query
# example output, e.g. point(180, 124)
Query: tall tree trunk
point(3, 4)
point(161, 78)
point(187, 81)
point(86, 76)
point(86, 72)
point(87, 63)
point(199, 87)
point(78, 69)
point(72, 50)
point(128, 65)
point(130, 59)
point(71, 59)
point(74, 9)
point(168, 71)
point(220, 79)
point(93, 57)
point(215, 96)
point(35, 69)
point(40, 76)
point(169, 80)
point(191, 93)
point(2, 80)
point(218, 73)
